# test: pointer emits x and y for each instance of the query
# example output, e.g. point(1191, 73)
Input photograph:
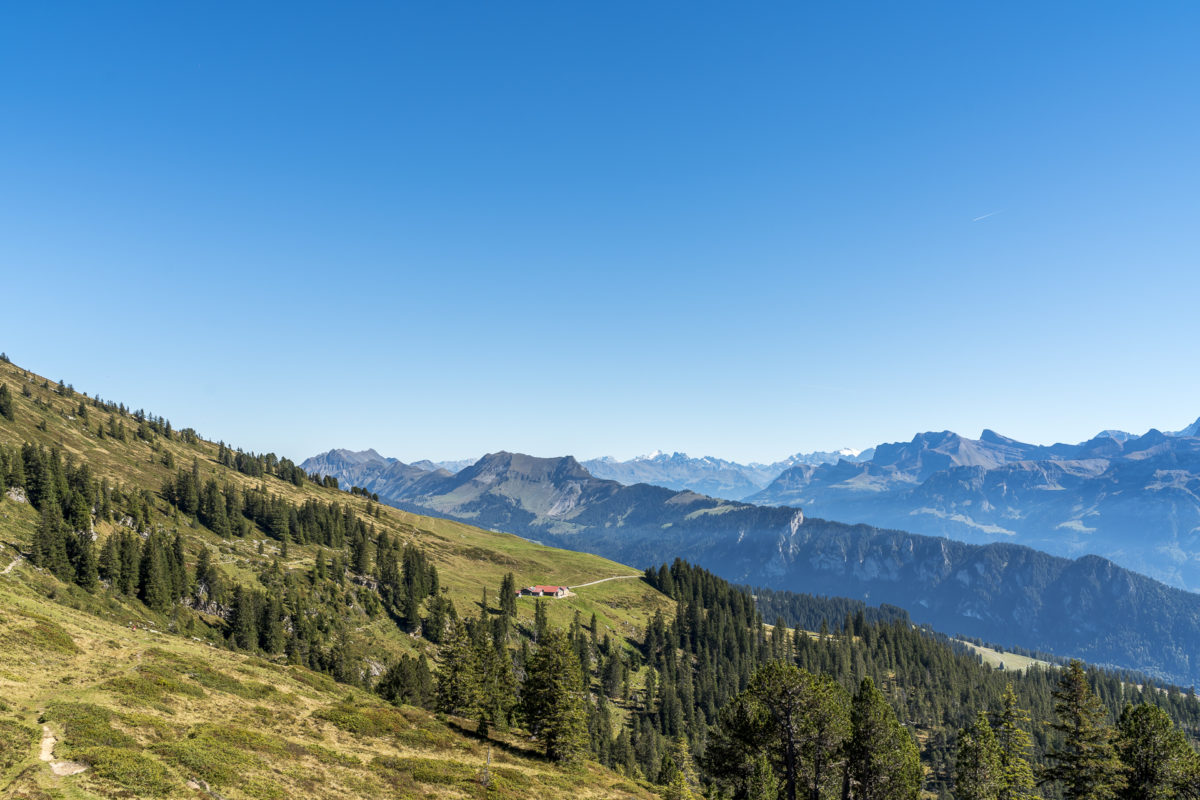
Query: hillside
point(1088, 607)
point(156, 715)
point(185, 619)
point(133, 682)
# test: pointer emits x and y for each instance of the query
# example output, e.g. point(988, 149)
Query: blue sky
point(745, 230)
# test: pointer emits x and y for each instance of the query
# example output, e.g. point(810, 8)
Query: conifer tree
point(408, 681)
point(49, 549)
point(457, 690)
point(762, 783)
point(6, 404)
point(86, 568)
point(244, 617)
point(1084, 762)
point(154, 575)
point(809, 725)
point(541, 623)
point(978, 773)
point(130, 561)
point(508, 595)
point(678, 772)
point(552, 695)
point(1012, 737)
point(497, 695)
point(883, 762)
point(271, 635)
point(1159, 762)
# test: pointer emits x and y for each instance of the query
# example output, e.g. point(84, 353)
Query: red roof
point(544, 589)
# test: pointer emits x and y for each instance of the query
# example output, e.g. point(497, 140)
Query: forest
point(831, 699)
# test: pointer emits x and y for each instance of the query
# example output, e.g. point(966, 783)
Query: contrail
point(985, 216)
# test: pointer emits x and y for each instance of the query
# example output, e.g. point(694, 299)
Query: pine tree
point(883, 762)
point(1159, 762)
point(809, 725)
point(1012, 737)
point(1084, 762)
point(553, 704)
point(978, 773)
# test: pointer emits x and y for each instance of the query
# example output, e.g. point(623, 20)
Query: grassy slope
point(37, 667)
point(151, 711)
point(1008, 661)
point(469, 559)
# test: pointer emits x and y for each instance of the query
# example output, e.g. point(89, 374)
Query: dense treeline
point(935, 689)
point(68, 498)
point(814, 612)
point(309, 619)
point(231, 511)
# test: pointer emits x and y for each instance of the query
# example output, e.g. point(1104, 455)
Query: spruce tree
point(271, 634)
point(154, 575)
point(244, 618)
point(508, 595)
point(6, 404)
point(541, 623)
point(678, 772)
point(49, 549)
point(883, 762)
point(86, 569)
point(553, 704)
point(1012, 737)
point(408, 681)
point(1084, 761)
point(497, 695)
point(762, 783)
point(978, 773)
point(457, 690)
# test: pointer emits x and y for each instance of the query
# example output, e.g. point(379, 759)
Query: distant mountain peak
point(1191, 431)
point(357, 457)
point(991, 437)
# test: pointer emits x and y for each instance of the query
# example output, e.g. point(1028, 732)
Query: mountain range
point(1088, 607)
point(715, 477)
point(1132, 499)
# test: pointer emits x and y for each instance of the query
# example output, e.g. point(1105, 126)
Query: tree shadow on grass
point(511, 749)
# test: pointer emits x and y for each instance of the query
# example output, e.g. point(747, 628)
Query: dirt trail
point(47, 754)
point(8, 569)
point(602, 580)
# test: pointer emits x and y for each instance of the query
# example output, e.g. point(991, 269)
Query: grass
point(149, 713)
point(1006, 661)
point(17, 742)
point(149, 709)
